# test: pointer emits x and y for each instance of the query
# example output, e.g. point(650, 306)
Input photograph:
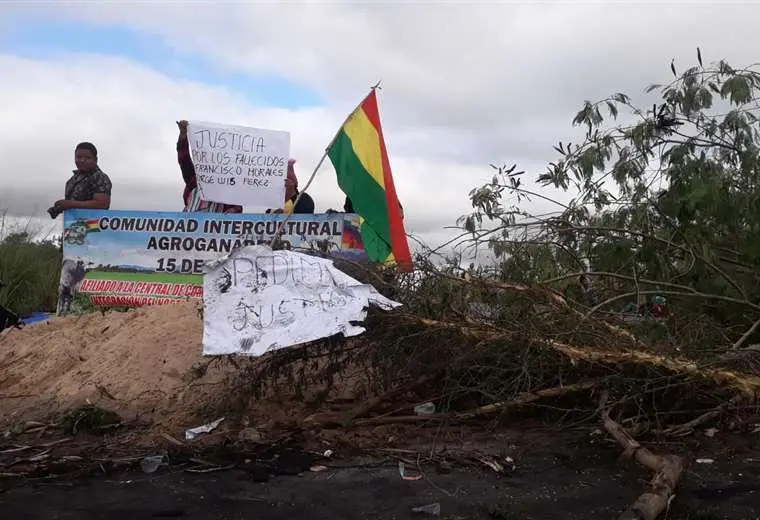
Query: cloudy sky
point(465, 84)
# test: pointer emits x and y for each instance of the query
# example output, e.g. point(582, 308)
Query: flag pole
point(318, 166)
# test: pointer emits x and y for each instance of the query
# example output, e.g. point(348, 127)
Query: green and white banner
point(134, 258)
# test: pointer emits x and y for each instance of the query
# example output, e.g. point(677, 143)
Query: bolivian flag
point(364, 174)
point(92, 226)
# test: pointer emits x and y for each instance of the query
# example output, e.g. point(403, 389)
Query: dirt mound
point(145, 364)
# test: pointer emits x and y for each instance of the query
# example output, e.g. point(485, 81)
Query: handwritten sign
point(257, 300)
point(240, 165)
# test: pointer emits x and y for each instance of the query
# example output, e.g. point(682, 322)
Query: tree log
point(667, 470)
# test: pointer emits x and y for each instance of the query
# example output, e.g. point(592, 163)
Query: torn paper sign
point(256, 300)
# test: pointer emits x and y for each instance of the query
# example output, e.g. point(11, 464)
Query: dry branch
point(545, 292)
point(527, 398)
point(666, 468)
point(687, 428)
point(521, 400)
point(371, 404)
point(747, 384)
point(746, 335)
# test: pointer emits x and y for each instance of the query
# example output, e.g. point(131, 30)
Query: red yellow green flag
point(364, 174)
point(92, 225)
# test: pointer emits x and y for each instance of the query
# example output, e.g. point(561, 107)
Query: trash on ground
point(249, 434)
point(402, 472)
point(430, 509)
point(705, 461)
point(425, 409)
point(152, 463)
point(192, 433)
point(710, 432)
point(327, 454)
point(498, 468)
point(317, 469)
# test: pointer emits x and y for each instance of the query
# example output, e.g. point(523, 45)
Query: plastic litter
point(425, 409)
point(192, 433)
point(430, 509)
point(152, 463)
point(402, 472)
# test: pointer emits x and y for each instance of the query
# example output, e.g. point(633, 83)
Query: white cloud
point(129, 113)
point(466, 84)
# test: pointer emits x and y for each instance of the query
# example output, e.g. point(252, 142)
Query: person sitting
point(305, 203)
point(192, 194)
point(88, 187)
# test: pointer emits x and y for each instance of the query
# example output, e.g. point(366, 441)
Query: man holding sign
point(192, 195)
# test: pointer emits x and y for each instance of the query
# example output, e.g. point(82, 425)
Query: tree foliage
point(661, 199)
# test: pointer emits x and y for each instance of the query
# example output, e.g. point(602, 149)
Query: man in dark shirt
point(88, 187)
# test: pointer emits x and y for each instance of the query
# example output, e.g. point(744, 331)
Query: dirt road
point(555, 476)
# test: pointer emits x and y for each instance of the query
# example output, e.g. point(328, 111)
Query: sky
point(464, 85)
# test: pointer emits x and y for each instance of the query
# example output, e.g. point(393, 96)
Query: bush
point(30, 270)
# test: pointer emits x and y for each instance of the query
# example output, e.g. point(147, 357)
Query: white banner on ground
point(240, 165)
point(257, 300)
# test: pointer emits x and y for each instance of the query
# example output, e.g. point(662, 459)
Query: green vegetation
point(30, 270)
point(658, 199)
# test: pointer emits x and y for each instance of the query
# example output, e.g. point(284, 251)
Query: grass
point(30, 268)
point(145, 277)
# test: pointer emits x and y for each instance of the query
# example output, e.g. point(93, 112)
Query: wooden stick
point(686, 428)
point(667, 470)
point(521, 400)
point(371, 404)
point(745, 336)
point(316, 169)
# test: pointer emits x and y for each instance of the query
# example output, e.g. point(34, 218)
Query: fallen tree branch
point(529, 397)
point(705, 296)
point(371, 404)
point(687, 428)
point(619, 276)
point(747, 384)
point(552, 294)
point(745, 336)
point(521, 400)
point(667, 470)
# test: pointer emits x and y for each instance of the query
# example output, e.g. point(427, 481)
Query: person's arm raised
point(184, 158)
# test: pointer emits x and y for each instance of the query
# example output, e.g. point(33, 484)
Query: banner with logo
point(135, 258)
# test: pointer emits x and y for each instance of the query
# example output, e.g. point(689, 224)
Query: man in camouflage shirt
point(89, 187)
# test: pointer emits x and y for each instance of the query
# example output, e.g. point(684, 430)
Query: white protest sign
point(256, 300)
point(240, 165)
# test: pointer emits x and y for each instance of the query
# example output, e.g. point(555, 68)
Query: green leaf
point(737, 90)
point(612, 108)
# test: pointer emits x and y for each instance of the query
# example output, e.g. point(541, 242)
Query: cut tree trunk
point(666, 468)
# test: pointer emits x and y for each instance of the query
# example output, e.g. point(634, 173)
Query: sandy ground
point(146, 365)
point(142, 364)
